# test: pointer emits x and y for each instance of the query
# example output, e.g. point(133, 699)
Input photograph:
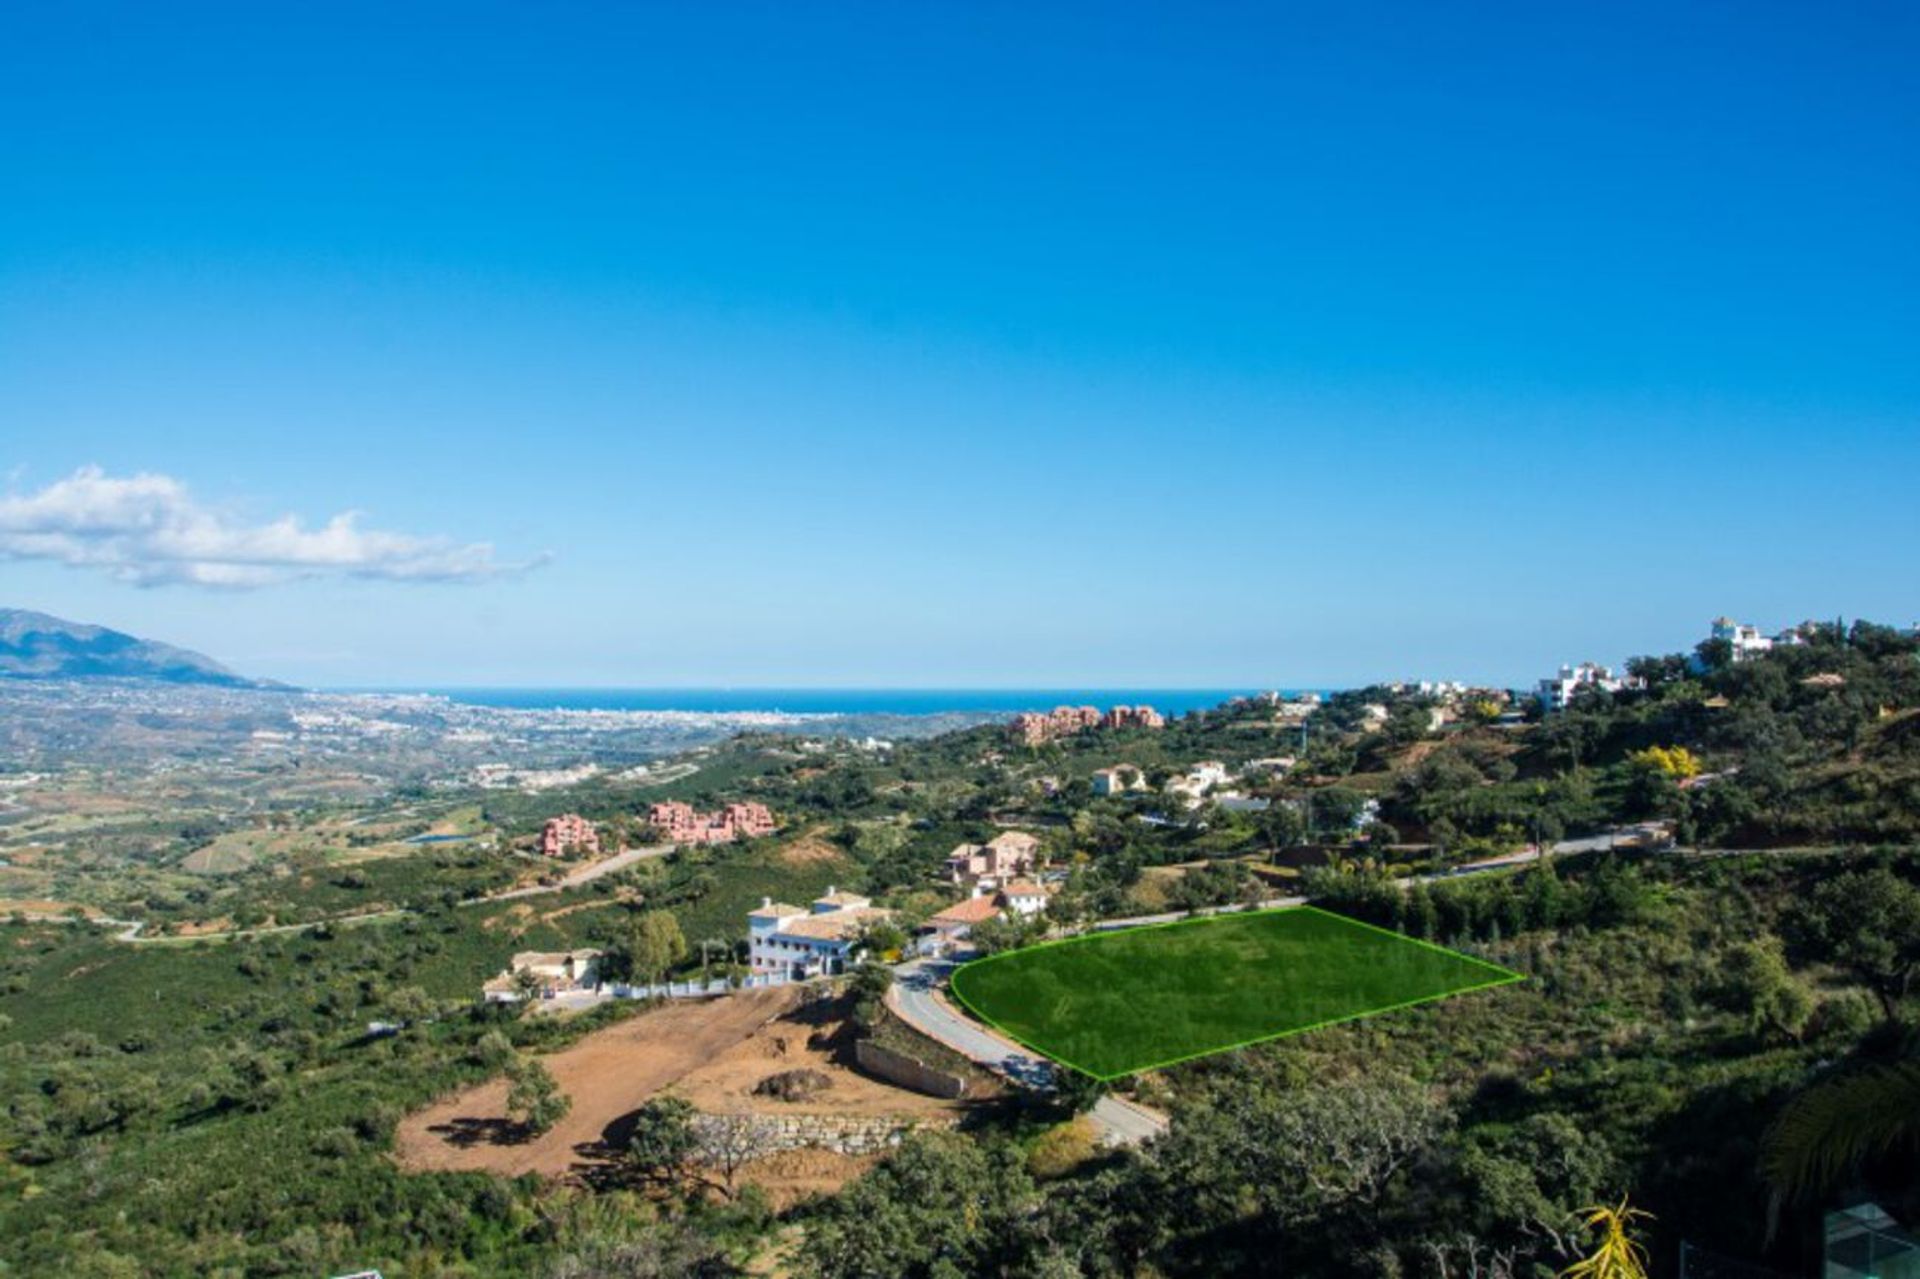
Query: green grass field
point(1110, 1004)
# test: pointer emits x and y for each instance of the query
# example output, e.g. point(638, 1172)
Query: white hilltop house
point(1557, 692)
point(1193, 786)
point(1745, 641)
point(820, 940)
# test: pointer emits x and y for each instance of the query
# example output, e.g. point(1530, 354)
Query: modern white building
point(816, 941)
point(1192, 787)
point(1558, 692)
point(1745, 641)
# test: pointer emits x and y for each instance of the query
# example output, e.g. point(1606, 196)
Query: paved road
point(1122, 1123)
point(915, 999)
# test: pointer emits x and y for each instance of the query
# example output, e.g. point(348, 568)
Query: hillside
point(39, 646)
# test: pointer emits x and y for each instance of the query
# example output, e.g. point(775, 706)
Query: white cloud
point(149, 530)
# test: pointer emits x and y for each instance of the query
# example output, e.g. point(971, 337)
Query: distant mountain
point(36, 646)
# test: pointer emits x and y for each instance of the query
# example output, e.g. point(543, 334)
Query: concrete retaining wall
point(901, 1069)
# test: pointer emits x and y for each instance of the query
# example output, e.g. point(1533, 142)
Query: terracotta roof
point(973, 910)
point(1013, 838)
point(1026, 888)
point(843, 899)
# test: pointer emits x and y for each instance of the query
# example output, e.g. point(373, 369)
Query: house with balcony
point(819, 940)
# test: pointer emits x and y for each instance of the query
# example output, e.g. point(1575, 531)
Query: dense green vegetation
point(1646, 1054)
point(225, 1107)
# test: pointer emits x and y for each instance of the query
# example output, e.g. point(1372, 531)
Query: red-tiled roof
point(974, 910)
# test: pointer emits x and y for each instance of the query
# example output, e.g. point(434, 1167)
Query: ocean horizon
point(833, 701)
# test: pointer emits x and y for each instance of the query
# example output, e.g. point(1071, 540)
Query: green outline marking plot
point(1111, 1004)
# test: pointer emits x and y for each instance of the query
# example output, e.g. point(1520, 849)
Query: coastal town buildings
point(681, 823)
point(819, 940)
point(1036, 728)
point(1118, 780)
point(568, 835)
point(1003, 858)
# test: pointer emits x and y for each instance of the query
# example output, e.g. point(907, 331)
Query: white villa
point(1746, 641)
point(1194, 785)
point(1025, 896)
point(1558, 692)
point(1117, 780)
point(816, 941)
point(556, 971)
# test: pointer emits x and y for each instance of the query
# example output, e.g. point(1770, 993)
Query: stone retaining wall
point(847, 1136)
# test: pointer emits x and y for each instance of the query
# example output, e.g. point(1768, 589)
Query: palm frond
point(1826, 1131)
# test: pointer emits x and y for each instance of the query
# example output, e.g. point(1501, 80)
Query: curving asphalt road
point(915, 999)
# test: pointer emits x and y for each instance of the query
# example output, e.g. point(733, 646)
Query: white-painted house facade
point(814, 941)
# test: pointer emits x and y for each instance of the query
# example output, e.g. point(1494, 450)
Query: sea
point(841, 701)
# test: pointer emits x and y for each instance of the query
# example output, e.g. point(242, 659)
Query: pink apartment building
point(1036, 729)
point(682, 824)
point(568, 833)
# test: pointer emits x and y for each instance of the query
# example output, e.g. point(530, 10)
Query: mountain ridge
point(40, 646)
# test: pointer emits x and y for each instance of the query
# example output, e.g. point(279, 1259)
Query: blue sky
point(957, 345)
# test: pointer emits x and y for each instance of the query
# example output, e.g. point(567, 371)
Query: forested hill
point(1817, 742)
point(39, 646)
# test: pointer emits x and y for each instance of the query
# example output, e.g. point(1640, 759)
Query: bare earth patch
point(809, 850)
point(712, 1053)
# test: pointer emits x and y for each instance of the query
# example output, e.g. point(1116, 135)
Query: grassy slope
point(1111, 1004)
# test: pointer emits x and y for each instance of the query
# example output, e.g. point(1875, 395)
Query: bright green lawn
point(1109, 1004)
